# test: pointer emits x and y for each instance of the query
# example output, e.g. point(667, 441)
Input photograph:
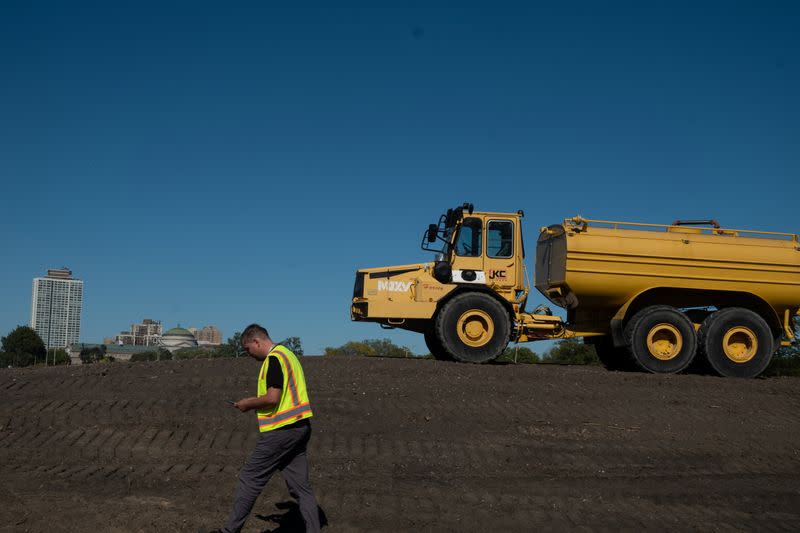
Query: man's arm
point(268, 401)
point(274, 390)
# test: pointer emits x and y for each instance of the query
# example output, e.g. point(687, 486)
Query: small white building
point(177, 338)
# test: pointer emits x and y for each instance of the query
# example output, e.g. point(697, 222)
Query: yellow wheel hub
point(475, 328)
point(664, 341)
point(740, 344)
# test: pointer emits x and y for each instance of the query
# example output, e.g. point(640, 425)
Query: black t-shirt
point(274, 374)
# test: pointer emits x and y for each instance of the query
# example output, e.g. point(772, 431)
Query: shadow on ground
point(290, 520)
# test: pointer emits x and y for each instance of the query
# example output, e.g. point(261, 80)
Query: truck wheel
point(473, 328)
point(661, 340)
point(610, 356)
point(435, 347)
point(736, 342)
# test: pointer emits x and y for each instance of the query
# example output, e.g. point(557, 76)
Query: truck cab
point(466, 301)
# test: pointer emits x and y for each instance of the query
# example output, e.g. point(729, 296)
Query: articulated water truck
point(657, 298)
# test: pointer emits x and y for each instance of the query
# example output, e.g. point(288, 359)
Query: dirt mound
point(401, 445)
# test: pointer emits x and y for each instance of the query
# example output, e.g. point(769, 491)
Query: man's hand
point(268, 401)
point(245, 404)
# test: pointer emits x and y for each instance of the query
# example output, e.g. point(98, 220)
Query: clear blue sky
point(233, 162)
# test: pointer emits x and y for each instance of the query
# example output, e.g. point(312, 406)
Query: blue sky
point(224, 163)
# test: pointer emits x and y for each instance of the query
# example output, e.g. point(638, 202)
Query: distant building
point(177, 338)
point(208, 335)
point(148, 333)
point(56, 308)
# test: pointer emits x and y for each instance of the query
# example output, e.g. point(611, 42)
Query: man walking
point(282, 409)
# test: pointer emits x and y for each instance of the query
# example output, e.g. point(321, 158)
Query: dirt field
point(403, 445)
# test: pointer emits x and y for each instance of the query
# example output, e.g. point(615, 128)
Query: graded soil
point(403, 445)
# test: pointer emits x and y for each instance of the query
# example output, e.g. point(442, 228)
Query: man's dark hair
point(252, 331)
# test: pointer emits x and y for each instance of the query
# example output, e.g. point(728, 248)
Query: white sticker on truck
point(469, 276)
point(394, 286)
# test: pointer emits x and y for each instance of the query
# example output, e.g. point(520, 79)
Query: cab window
point(468, 242)
point(500, 238)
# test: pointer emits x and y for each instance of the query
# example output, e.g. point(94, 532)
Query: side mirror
point(433, 231)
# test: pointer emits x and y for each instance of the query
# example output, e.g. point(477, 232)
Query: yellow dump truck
point(657, 298)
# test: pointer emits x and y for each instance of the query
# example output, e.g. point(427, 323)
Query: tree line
point(568, 352)
point(23, 347)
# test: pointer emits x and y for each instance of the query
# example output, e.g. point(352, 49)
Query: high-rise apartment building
point(208, 335)
point(148, 333)
point(56, 308)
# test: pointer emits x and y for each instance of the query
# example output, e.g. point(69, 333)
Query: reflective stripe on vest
point(294, 404)
point(290, 378)
point(277, 418)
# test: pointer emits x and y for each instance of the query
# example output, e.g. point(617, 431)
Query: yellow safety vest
point(294, 404)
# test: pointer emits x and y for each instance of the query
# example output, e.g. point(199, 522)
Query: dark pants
point(279, 449)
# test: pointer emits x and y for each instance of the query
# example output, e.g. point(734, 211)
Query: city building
point(56, 308)
point(209, 335)
point(177, 338)
point(148, 333)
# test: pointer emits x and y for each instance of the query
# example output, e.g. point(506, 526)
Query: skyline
point(193, 161)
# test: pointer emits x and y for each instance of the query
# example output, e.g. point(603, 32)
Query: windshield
point(470, 238)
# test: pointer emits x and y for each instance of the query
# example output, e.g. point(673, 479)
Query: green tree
point(294, 344)
point(26, 344)
point(518, 354)
point(58, 356)
point(144, 356)
point(349, 349)
point(14, 359)
point(369, 348)
point(386, 348)
point(235, 342)
point(223, 350)
point(230, 348)
point(160, 354)
point(571, 352)
point(93, 354)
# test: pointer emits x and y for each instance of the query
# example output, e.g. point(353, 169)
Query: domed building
point(177, 338)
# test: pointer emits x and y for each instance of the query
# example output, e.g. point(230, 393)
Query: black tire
point(611, 357)
point(436, 349)
point(473, 328)
point(661, 340)
point(736, 342)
